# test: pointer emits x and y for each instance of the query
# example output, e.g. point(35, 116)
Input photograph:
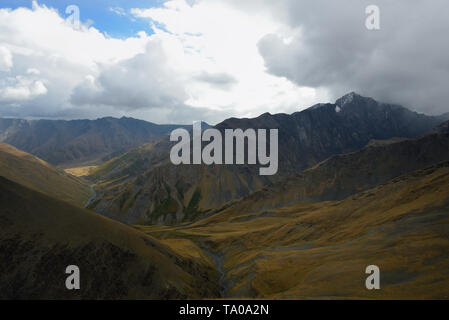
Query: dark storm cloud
point(405, 62)
point(220, 80)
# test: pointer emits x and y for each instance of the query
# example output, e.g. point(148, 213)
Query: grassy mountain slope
point(344, 175)
point(321, 250)
point(41, 236)
point(37, 174)
point(143, 186)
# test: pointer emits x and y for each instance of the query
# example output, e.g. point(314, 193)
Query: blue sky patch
point(109, 16)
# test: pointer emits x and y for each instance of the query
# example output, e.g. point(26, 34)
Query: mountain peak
point(348, 98)
point(341, 102)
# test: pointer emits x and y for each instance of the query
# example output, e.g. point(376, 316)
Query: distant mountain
point(323, 130)
point(41, 236)
point(73, 142)
point(34, 173)
point(143, 186)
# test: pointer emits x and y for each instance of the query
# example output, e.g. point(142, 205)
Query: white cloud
point(33, 71)
point(21, 89)
point(118, 11)
point(44, 46)
point(146, 80)
point(221, 40)
point(5, 59)
point(202, 59)
point(219, 58)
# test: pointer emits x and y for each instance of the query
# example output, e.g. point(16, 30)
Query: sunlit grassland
point(321, 250)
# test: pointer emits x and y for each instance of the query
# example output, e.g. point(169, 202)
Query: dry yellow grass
point(81, 171)
point(321, 250)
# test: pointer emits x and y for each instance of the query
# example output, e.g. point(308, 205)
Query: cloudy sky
point(182, 60)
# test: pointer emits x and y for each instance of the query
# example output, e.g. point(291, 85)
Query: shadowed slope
point(41, 236)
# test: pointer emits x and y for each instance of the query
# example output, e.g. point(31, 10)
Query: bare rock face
point(315, 134)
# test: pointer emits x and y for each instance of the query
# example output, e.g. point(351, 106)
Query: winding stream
point(92, 198)
point(218, 261)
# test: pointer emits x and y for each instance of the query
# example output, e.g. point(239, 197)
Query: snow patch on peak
point(337, 109)
point(347, 98)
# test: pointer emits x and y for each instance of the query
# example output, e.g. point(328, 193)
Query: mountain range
point(360, 183)
point(76, 142)
point(143, 186)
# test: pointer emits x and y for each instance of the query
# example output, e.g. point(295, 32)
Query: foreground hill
point(143, 186)
point(321, 249)
point(37, 174)
point(79, 141)
point(41, 236)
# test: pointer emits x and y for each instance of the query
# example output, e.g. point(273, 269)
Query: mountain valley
point(360, 183)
